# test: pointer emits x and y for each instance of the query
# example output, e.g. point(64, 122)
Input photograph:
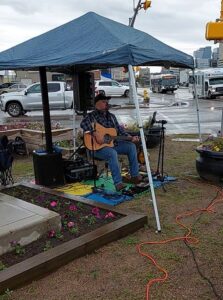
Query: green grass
point(22, 168)
point(119, 267)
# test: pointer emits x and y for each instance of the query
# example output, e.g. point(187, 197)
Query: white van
point(209, 83)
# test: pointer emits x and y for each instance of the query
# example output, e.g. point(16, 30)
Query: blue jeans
point(111, 156)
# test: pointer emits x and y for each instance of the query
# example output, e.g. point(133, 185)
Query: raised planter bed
point(35, 139)
point(45, 262)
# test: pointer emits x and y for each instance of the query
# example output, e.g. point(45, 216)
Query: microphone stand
point(160, 175)
point(94, 189)
point(76, 151)
point(93, 162)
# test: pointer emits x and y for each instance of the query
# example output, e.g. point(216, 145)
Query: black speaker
point(86, 92)
point(48, 168)
point(78, 170)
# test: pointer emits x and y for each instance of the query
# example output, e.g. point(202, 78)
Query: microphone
point(162, 121)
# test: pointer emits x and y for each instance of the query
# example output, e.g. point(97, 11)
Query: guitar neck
point(122, 138)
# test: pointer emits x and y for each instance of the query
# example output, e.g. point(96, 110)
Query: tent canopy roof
point(90, 42)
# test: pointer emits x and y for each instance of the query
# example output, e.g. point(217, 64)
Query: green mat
point(105, 182)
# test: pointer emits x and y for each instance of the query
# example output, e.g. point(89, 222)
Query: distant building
point(220, 59)
point(203, 57)
point(7, 76)
point(119, 74)
point(144, 76)
point(215, 58)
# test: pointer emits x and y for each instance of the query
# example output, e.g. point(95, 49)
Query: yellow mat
point(78, 189)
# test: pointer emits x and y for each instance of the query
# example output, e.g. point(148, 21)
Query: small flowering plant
point(17, 247)
point(214, 144)
point(133, 126)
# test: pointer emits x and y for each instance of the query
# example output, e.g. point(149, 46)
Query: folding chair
point(6, 160)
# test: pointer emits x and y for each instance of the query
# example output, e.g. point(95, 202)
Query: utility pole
point(220, 60)
point(145, 5)
point(214, 31)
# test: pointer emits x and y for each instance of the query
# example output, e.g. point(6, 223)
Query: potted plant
point(152, 133)
point(209, 163)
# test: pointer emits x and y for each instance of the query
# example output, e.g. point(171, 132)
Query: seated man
point(100, 129)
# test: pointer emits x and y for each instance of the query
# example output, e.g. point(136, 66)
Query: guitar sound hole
point(107, 139)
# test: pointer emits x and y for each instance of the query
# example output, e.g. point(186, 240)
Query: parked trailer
point(209, 83)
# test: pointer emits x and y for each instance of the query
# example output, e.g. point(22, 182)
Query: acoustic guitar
point(108, 135)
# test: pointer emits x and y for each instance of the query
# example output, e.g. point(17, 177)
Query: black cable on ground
point(195, 261)
point(201, 274)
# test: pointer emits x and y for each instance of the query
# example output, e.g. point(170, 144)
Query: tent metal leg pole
point(46, 109)
point(75, 82)
point(222, 122)
point(132, 79)
point(197, 107)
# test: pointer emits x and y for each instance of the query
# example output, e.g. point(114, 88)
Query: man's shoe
point(127, 179)
point(120, 186)
point(136, 179)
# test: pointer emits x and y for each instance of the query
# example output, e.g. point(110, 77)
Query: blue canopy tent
point(87, 43)
point(90, 42)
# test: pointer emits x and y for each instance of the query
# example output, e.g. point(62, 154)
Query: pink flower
point(51, 233)
point(109, 215)
point(70, 224)
point(95, 211)
point(53, 204)
point(13, 243)
point(73, 207)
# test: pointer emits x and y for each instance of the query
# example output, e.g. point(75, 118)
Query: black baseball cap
point(101, 97)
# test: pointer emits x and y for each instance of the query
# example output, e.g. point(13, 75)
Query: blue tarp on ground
point(90, 42)
point(110, 197)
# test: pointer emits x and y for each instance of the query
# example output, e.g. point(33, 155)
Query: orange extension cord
point(186, 238)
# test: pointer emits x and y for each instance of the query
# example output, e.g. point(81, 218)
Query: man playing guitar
point(100, 129)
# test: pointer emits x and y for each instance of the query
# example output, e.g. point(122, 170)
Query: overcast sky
point(178, 23)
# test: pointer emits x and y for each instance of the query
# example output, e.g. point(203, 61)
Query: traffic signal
point(85, 100)
point(146, 4)
point(214, 31)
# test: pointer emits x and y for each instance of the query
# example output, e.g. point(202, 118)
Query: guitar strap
point(113, 121)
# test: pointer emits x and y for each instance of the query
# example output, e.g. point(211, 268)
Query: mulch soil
point(77, 219)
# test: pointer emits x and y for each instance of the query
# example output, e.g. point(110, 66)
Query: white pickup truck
point(29, 99)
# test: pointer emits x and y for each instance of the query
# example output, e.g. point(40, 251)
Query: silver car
point(13, 88)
